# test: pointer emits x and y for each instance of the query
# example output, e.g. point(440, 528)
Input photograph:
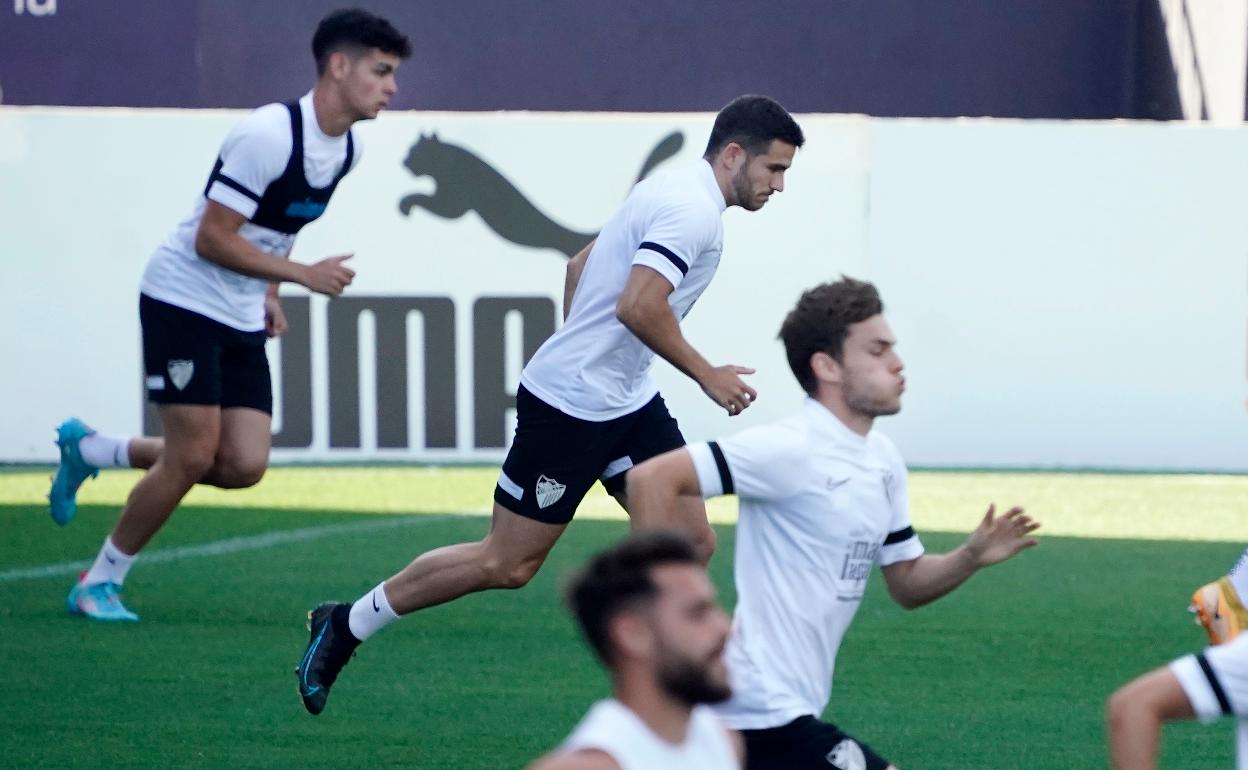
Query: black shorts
point(191, 359)
point(808, 744)
point(555, 458)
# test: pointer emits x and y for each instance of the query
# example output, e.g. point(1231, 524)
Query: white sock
point(371, 613)
point(111, 565)
point(1239, 577)
point(105, 451)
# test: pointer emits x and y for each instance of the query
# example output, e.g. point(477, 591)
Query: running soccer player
point(208, 299)
point(1205, 686)
point(587, 408)
point(822, 499)
point(649, 611)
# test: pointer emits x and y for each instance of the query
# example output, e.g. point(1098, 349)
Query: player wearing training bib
point(208, 301)
point(822, 501)
point(587, 409)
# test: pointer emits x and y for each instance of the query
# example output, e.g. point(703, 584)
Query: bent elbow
point(204, 243)
point(906, 601)
point(626, 312)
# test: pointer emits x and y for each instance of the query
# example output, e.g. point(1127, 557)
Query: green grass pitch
point(1011, 671)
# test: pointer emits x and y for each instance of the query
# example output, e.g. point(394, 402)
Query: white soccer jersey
point(819, 506)
point(253, 154)
point(594, 368)
point(611, 727)
point(1216, 683)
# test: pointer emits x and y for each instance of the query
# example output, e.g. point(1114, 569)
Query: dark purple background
point(1009, 58)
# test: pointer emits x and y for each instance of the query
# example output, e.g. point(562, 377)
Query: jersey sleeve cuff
point(902, 545)
point(709, 478)
point(232, 199)
point(1196, 685)
point(659, 264)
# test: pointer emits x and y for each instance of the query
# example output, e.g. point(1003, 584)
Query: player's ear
point(631, 635)
point(339, 64)
point(825, 368)
point(734, 156)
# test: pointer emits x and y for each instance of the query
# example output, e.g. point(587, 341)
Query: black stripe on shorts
point(1214, 684)
point(680, 264)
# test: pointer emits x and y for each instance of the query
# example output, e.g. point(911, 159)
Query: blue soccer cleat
point(101, 601)
point(330, 647)
point(72, 471)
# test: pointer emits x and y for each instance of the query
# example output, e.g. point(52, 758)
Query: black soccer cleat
point(330, 647)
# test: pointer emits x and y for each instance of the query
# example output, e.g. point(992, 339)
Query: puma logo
point(464, 182)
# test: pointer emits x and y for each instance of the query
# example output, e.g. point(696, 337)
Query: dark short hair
point(821, 321)
point(753, 122)
point(619, 579)
point(355, 28)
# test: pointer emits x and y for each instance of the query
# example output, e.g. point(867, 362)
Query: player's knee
point(239, 472)
point(243, 475)
point(1119, 707)
point(510, 574)
point(194, 462)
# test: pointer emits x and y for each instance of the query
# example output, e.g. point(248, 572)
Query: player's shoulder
point(582, 759)
point(678, 189)
point(267, 126)
point(783, 442)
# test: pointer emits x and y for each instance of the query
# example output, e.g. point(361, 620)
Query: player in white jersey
point(1205, 686)
point(208, 299)
point(650, 614)
point(822, 499)
point(587, 408)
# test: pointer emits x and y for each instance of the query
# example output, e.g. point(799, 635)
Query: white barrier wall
point(1067, 295)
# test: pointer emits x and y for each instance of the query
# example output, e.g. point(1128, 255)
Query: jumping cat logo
point(464, 182)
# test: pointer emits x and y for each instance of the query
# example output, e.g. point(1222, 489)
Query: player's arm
point(915, 582)
point(572, 278)
point(1136, 712)
point(644, 310)
point(219, 241)
point(588, 759)
point(664, 493)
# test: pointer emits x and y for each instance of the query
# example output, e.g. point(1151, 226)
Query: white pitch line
point(229, 545)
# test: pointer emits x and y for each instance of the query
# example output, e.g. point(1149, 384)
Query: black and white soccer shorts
point(808, 744)
point(555, 458)
point(189, 358)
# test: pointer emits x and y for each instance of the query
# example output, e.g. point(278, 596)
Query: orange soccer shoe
point(1217, 607)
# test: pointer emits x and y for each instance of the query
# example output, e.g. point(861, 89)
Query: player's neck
point(663, 715)
point(332, 115)
point(854, 420)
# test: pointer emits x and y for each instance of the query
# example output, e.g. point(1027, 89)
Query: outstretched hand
point(998, 538)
